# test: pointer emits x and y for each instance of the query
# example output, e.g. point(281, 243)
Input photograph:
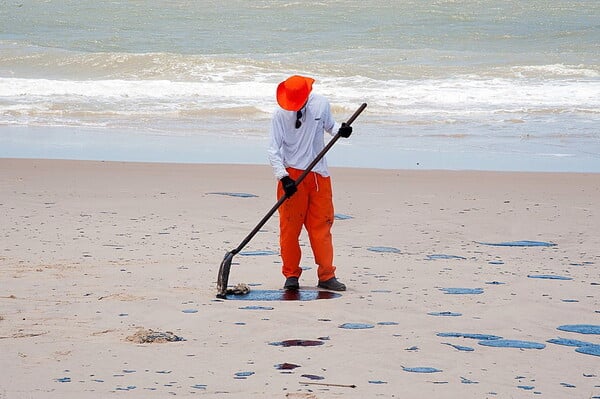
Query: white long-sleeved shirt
point(297, 148)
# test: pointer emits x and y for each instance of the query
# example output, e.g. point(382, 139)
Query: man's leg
point(291, 219)
point(318, 224)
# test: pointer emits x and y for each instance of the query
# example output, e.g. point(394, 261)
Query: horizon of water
point(462, 84)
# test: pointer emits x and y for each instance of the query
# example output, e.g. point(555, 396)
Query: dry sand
point(93, 253)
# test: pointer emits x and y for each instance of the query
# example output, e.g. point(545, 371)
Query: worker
point(297, 137)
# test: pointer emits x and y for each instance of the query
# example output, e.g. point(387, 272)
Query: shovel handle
point(329, 145)
point(356, 113)
point(300, 178)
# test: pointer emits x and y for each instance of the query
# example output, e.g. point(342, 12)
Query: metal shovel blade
point(223, 277)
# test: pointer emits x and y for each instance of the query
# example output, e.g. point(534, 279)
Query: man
point(297, 137)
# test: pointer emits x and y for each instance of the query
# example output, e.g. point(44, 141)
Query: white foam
point(148, 89)
point(390, 101)
point(556, 70)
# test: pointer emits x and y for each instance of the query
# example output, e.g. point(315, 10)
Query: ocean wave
point(39, 83)
point(556, 70)
point(40, 62)
point(408, 101)
point(29, 61)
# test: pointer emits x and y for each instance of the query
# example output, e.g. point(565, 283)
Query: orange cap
point(293, 92)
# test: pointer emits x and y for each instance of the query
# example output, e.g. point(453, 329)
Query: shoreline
point(267, 166)
point(365, 149)
point(96, 252)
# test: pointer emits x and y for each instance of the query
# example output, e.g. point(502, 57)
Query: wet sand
point(461, 284)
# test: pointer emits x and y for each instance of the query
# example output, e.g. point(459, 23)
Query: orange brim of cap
point(293, 92)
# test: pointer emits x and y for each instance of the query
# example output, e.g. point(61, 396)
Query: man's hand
point(345, 130)
point(289, 186)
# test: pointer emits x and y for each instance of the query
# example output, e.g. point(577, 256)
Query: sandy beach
point(94, 252)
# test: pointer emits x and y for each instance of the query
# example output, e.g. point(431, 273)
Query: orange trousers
point(312, 207)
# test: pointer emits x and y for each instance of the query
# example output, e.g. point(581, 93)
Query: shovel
point(225, 267)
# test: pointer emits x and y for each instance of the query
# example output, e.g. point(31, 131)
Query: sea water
point(450, 84)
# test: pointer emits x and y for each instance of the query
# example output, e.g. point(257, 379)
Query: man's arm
point(274, 151)
point(329, 124)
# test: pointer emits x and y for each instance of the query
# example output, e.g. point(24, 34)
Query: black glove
point(289, 186)
point(345, 130)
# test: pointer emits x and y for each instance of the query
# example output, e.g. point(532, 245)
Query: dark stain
point(459, 347)
point(480, 337)
point(284, 295)
point(297, 342)
point(445, 257)
point(548, 277)
point(512, 343)
point(238, 195)
point(312, 377)
point(242, 375)
point(568, 342)
point(462, 291)
point(356, 326)
point(421, 369)
point(586, 348)
point(286, 366)
point(258, 253)
point(340, 216)
point(581, 328)
point(524, 243)
point(451, 314)
point(391, 250)
point(589, 350)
